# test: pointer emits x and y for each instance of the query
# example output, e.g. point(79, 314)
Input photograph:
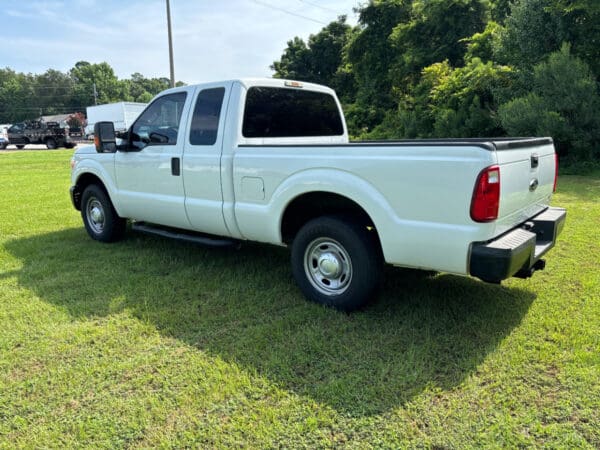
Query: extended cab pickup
point(269, 160)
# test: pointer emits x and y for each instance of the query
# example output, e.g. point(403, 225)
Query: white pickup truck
point(270, 161)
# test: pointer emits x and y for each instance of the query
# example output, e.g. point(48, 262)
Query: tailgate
point(527, 169)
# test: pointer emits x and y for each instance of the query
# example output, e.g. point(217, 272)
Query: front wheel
point(20, 146)
point(337, 262)
point(50, 144)
point(99, 216)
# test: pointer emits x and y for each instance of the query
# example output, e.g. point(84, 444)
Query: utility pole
point(95, 95)
point(170, 44)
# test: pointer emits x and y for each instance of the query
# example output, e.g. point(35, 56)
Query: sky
point(212, 40)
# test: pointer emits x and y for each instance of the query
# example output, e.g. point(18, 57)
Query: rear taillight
point(486, 197)
point(555, 171)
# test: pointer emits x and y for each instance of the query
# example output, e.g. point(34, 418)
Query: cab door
point(15, 134)
point(202, 160)
point(148, 170)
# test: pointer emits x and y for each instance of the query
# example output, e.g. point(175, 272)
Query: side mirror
point(104, 137)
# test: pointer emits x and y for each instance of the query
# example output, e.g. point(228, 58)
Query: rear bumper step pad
point(518, 252)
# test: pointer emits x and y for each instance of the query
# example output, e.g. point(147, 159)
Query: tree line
point(462, 68)
point(28, 96)
point(409, 69)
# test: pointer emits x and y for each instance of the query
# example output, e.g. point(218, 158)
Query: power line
point(36, 87)
point(324, 8)
point(57, 96)
point(291, 13)
point(37, 108)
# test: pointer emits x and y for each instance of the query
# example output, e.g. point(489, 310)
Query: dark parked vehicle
point(39, 132)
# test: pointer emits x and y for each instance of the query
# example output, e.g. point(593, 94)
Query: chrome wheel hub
point(95, 215)
point(328, 266)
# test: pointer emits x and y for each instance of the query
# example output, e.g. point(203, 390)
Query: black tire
point(51, 144)
point(3, 146)
point(20, 146)
point(99, 216)
point(337, 262)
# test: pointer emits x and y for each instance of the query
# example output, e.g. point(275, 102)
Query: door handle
point(535, 160)
point(175, 167)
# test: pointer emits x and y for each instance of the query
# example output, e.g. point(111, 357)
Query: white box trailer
point(122, 114)
point(4, 130)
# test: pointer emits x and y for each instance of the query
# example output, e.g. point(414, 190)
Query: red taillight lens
point(555, 171)
point(486, 197)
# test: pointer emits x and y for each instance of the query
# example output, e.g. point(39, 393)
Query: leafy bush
point(449, 102)
point(563, 103)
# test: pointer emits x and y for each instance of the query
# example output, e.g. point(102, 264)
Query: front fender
point(103, 170)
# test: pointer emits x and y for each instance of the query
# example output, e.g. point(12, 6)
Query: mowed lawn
point(154, 343)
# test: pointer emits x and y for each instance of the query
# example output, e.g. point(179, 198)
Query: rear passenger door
point(202, 159)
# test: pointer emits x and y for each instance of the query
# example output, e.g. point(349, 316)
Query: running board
point(183, 235)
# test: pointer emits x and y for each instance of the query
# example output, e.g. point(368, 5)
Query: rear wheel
point(337, 262)
point(50, 144)
point(99, 216)
point(20, 146)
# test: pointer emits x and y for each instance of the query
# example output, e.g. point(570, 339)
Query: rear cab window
point(205, 119)
point(274, 112)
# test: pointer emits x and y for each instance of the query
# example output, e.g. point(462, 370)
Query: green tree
point(142, 89)
point(108, 88)
point(27, 96)
point(16, 96)
point(482, 45)
point(370, 56)
point(321, 60)
point(500, 9)
point(53, 92)
point(563, 103)
point(397, 40)
point(435, 32)
point(581, 22)
point(530, 33)
point(294, 63)
point(449, 102)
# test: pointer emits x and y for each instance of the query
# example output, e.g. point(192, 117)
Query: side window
point(280, 112)
point(159, 123)
point(205, 121)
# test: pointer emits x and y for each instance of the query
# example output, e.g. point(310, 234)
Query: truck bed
point(424, 188)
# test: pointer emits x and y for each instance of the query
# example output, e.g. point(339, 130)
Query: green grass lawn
point(150, 342)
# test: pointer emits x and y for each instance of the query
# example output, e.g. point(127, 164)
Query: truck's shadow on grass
point(244, 307)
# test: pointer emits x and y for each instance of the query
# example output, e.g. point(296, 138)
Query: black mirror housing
point(104, 137)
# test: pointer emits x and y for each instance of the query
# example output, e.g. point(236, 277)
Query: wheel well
point(315, 204)
point(82, 182)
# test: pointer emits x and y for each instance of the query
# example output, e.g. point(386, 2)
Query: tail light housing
point(555, 171)
point(486, 196)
